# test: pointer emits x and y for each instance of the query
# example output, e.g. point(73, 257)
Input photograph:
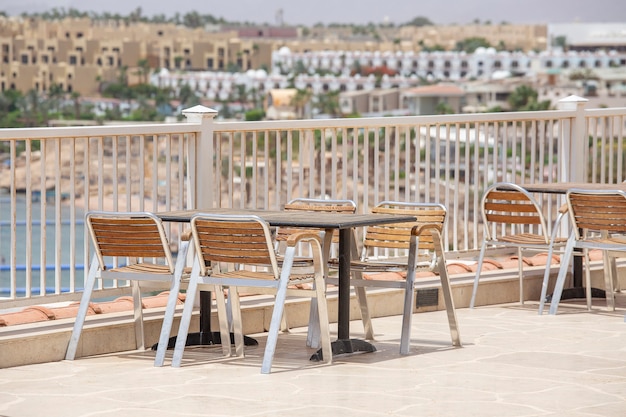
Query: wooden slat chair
point(313, 205)
point(139, 244)
point(513, 218)
point(233, 246)
point(410, 247)
point(598, 220)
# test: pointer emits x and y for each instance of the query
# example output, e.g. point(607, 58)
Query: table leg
point(344, 344)
point(205, 336)
point(578, 290)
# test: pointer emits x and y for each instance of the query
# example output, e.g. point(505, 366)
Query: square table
point(344, 222)
point(562, 187)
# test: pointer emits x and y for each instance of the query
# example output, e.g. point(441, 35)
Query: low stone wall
point(114, 332)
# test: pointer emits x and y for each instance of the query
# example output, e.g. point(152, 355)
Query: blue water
point(35, 220)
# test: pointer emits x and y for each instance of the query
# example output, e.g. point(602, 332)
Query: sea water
point(21, 245)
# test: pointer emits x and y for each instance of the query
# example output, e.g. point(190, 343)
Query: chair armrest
point(294, 238)
point(186, 235)
point(417, 230)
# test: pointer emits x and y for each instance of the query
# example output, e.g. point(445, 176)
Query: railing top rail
point(96, 131)
point(609, 111)
point(392, 121)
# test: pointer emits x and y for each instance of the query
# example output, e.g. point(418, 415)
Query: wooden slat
point(508, 218)
point(120, 221)
point(127, 237)
point(507, 195)
point(283, 233)
point(320, 208)
point(509, 207)
point(398, 235)
point(599, 212)
point(241, 242)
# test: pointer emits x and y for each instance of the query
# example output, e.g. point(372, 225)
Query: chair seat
point(611, 240)
point(144, 268)
point(374, 266)
point(524, 239)
point(263, 276)
point(381, 265)
point(298, 261)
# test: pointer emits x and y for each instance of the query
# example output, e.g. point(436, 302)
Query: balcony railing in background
point(50, 176)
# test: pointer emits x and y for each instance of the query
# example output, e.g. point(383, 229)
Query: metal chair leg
point(70, 354)
point(170, 309)
point(560, 280)
point(481, 257)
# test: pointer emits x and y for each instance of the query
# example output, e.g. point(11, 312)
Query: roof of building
point(436, 90)
point(589, 33)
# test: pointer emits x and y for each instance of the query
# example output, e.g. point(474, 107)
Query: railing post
point(201, 169)
point(575, 154)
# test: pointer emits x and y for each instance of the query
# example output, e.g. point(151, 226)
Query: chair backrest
point(129, 235)
point(232, 239)
point(508, 209)
point(315, 205)
point(597, 211)
point(398, 235)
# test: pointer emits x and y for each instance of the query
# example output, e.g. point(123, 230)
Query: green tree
point(187, 96)
point(328, 103)
point(444, 108)
point(55, 95)
point(419, 21)
point(254, 115)
point(300, 101)
point(29, 106)
point(560, 41)
point(193, 20)
point(524, 98)
point(144, 70)
point(470, 45)
point(75, 96)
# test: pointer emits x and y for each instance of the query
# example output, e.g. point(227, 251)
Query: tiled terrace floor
point(513, 363)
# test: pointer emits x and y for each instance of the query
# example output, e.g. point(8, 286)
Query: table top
point(562, 187)
point(319, 220)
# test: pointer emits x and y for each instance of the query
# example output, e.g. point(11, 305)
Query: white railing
point(52, 176)
point(203, 163)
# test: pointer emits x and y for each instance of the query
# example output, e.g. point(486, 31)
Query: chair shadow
point(292, 354)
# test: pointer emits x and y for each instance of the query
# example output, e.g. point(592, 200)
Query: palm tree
point(300, 100)
point(75, 96)
point(328, 103)
point(30, 107)
point(524, 98)
point(144, 70)
point(55, 94)
point(187, 96)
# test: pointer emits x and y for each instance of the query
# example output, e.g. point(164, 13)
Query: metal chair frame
point(510, 216)
point(421, 246)
point(598, 220)
point(228, 250)
point(139, 239)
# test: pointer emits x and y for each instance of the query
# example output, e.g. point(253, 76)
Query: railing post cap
point(573, 99)
point(200, 110)
point(572, 103)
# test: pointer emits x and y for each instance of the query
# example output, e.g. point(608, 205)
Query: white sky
point(309, 12)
